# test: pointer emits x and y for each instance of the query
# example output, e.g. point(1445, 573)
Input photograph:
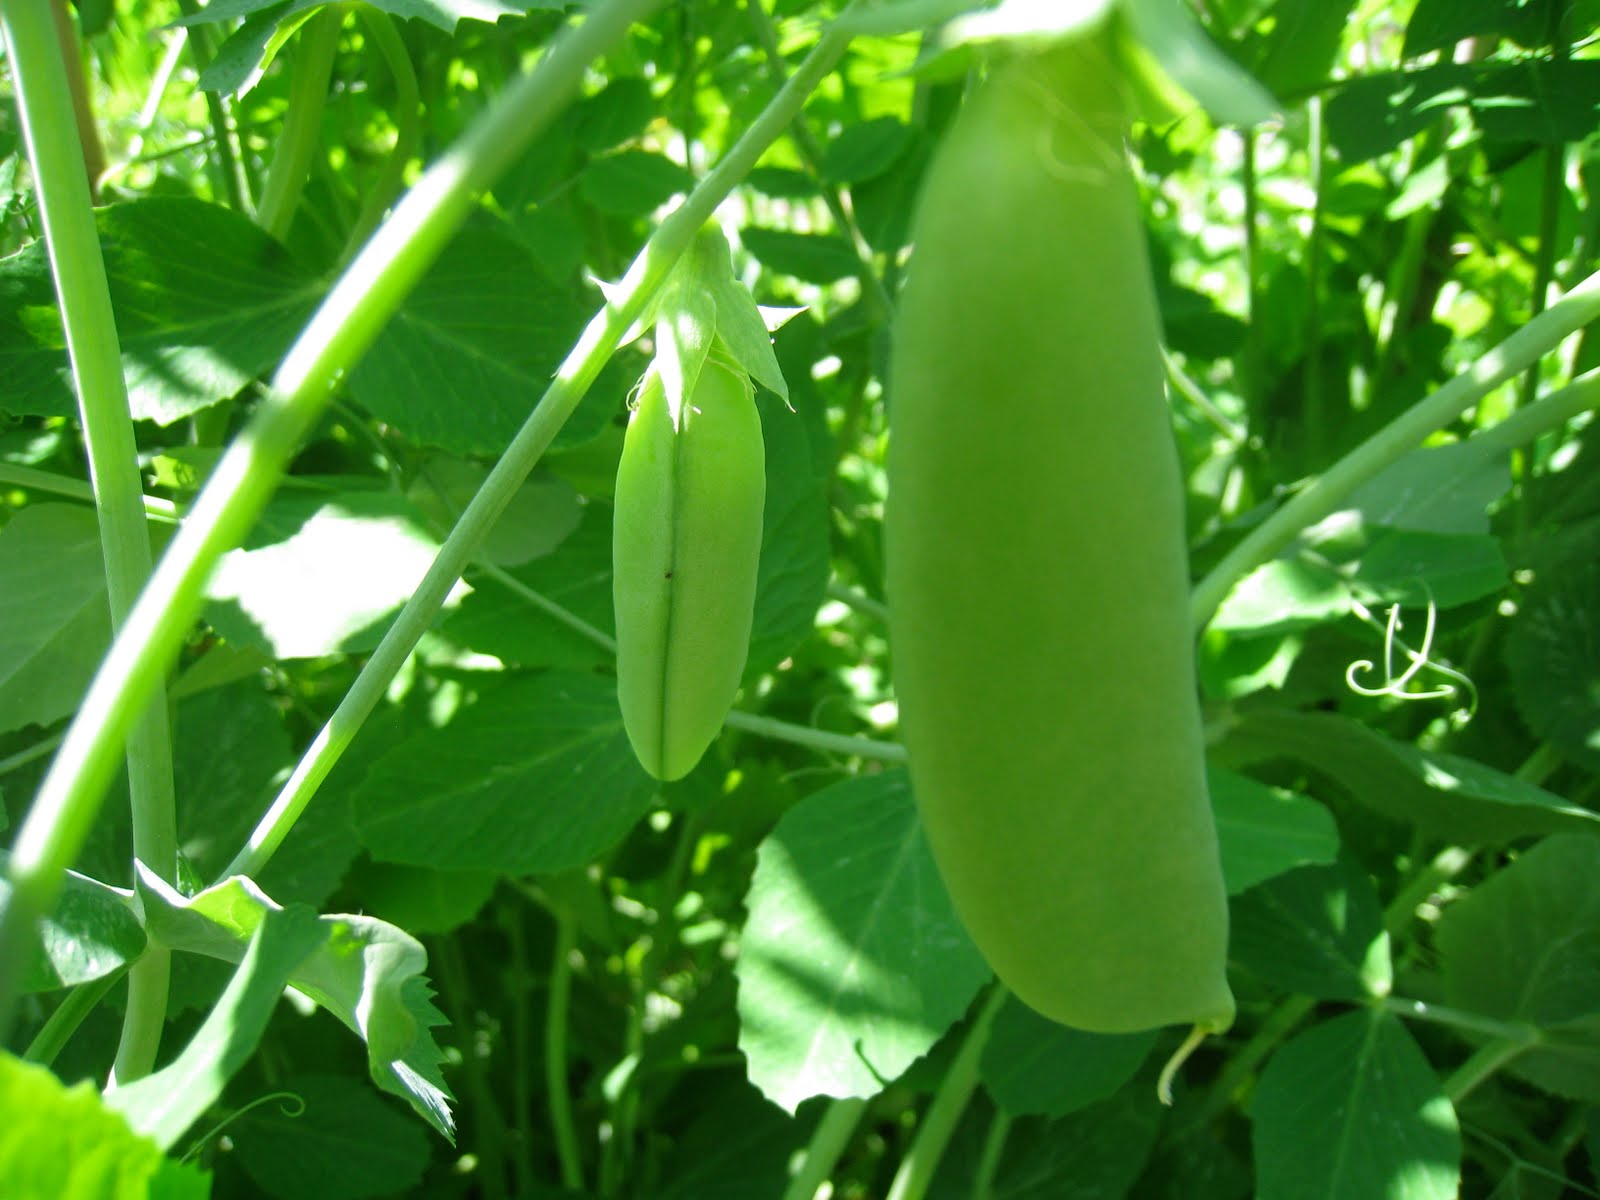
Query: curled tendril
point(292, 1103)
point(1398, 686)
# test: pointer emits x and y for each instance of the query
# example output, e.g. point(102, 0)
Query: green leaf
point(1169, 32)
point(536, 777)
point(1350, 1110)
point(864, 151)
point(163, 1106)
point(852, 963)
point(421, 899)
point(1524, 947)
point(474, 346)
point(540, 515)
point(1553, 655)
point(1437, 489)
point(1440, 24)
point(1283, 595)
point(1303, 46)
point(1415, 569)
point(1462, 798)
point(811, 257)
point(205, 302)
point(55, 621)
point(366, 972)
point(321, 574)
point(91, 932)
point(1317, 931)
point(1265, 831)
point(61, 1143)
point(632, 183)
point(1032, 1065)
point(736, 1145)
point(344, 1144)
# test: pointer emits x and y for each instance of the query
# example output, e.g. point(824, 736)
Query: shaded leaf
point(1265, 831)
point(1351, 1109)
point(632, 183)
point(1032, 1065)
point(812, 257)
point(852, 963)
point(1553, 655)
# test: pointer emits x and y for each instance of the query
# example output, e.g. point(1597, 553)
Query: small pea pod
point(685, 545)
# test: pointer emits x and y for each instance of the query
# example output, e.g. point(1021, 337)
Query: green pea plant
point(913, 598)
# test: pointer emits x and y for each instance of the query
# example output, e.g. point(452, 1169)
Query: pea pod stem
point(1323, 495)
point(600, 338)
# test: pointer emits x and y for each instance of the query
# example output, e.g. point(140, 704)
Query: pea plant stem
point(1323, 495)
point(558, 1093)
point(600, 339)
point(944, 1111)
point(406, 111)
point(302, 121)
point(73, 240)
point(828, 1142)
point(155, 508)
point(344, 326)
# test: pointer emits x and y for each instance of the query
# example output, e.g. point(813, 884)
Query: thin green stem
point(827, 1144)
point(1462, 1021)
point(558, 1094)
point(225, 160)
point(1543, 416)
point(406, 112)
point(1324, 494)
point(860, 601)
point(302, 121)
point(462, 1010)
point(994, 1148)
point(61, 1024)
point(817, 739)
point(73, 239)
point(346, 323)
point(519, 999)
point(23, 757)
point(1484, 1062)
point(36, 480)
point(1280, 1022)
point(1252, 385)
point(939, 1121)
point(1314, 395)
point(1445, 866)
point(548, 606)
point(596, 345)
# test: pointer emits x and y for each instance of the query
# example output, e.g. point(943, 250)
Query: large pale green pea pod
point(1036, 566)
point(686, 542)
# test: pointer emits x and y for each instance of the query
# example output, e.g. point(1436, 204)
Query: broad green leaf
point(535, 778)
point(163, 1106)
point(345, 1143)
point(498, 620)
point(366, 972)
point(1553, 655)
point(852, 963)
point(1415, 569)
point(865, 150)
point(811, 257)
point(883, 204)
point(91, 932)
point(1440, 24)
point(205, 302)
point(55, 621)
point(420, 899)
point(1437, 489)
point(66, 1143)
point(473, 347)
point(1351, 1110)
point(1167, 29)
point(1032, 1065)
point(321, 574)
point(1265, 831)
point(632, 183)
point(1524, 947)
point(1303, 46)
point(1460, 797)
point(1316, 930)
point(1282, 595)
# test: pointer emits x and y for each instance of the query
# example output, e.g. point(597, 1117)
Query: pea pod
point(685, 544)
point(1036, 565)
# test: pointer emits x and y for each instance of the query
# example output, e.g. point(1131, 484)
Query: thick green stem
point(67, 214)
point(828, 1142)
point(302, 122)
point(350, 317)
point(596, 345)
point(939, 1122)
point(1324, 494)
